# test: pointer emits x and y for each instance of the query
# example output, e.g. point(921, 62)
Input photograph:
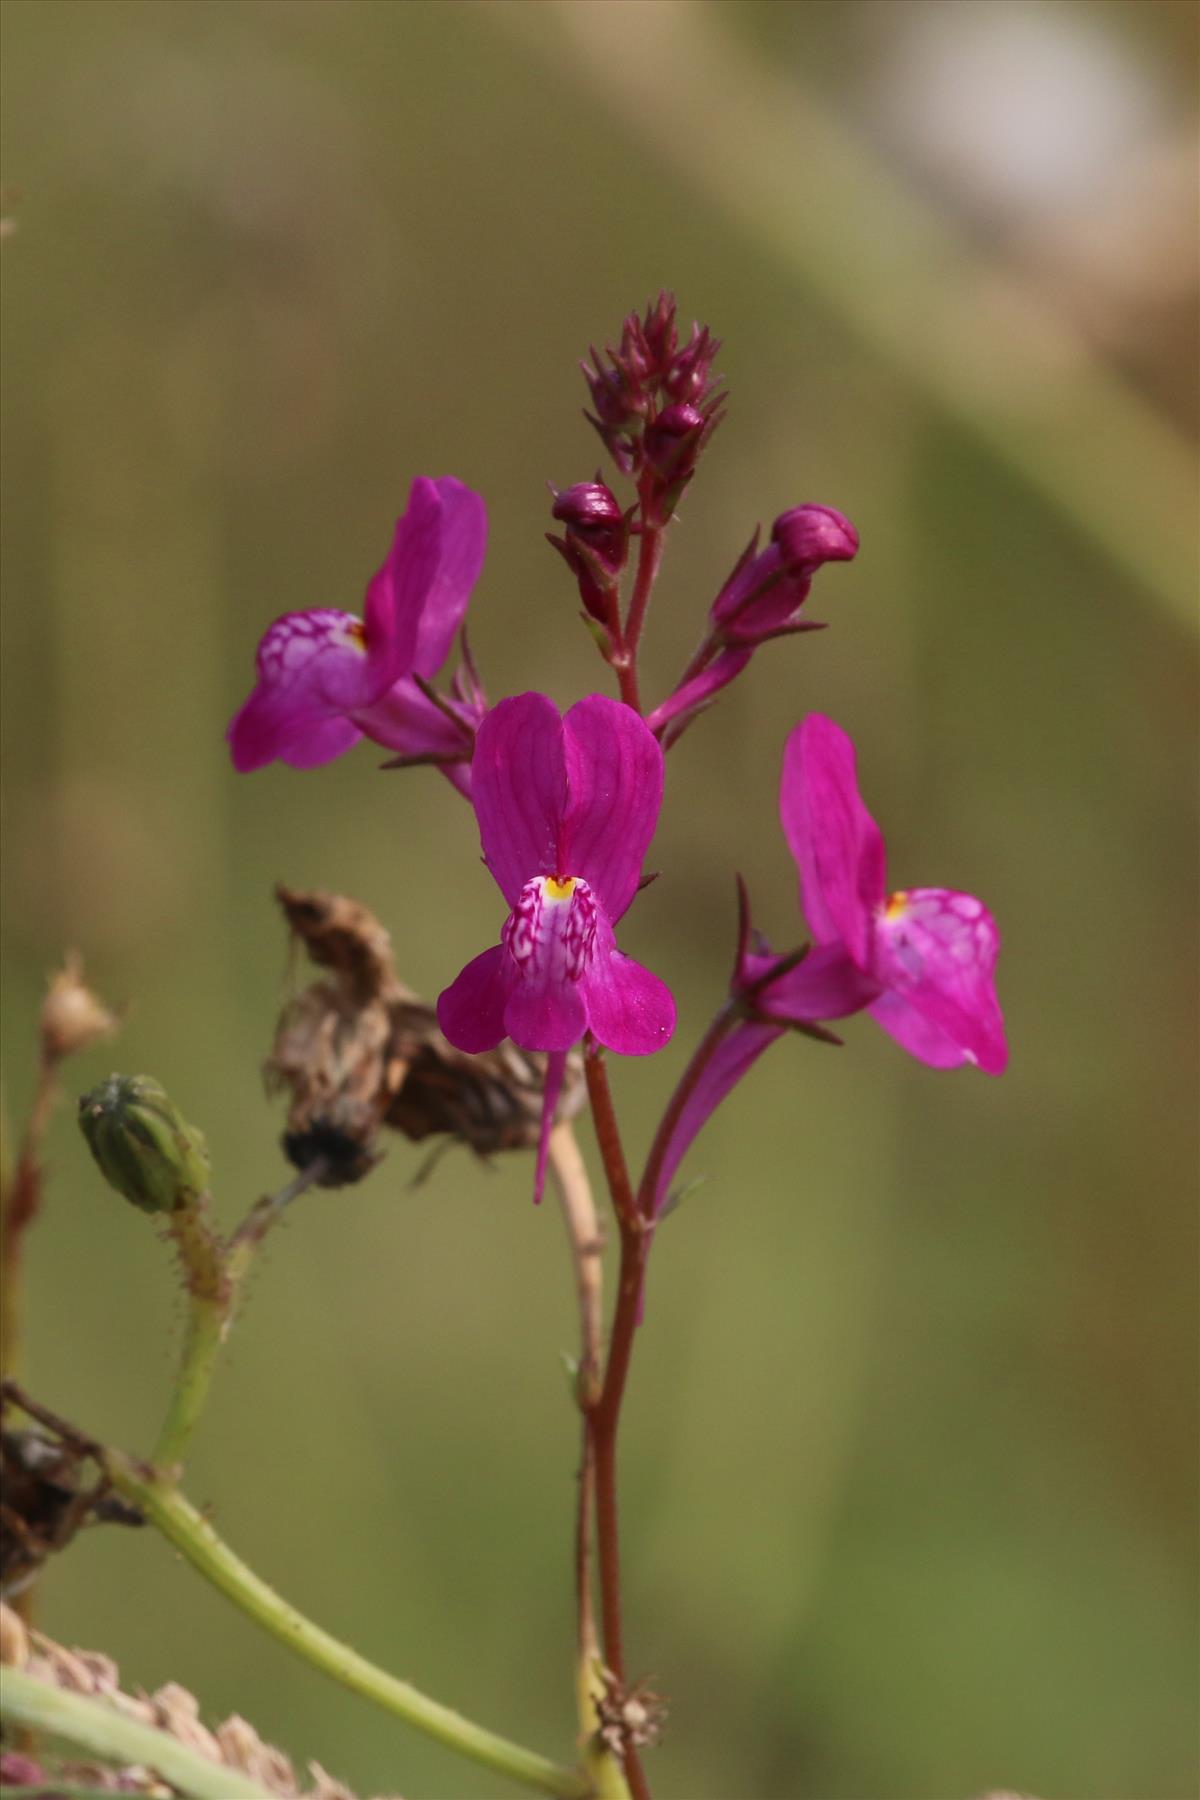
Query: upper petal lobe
point(837, 845)
point(519, 786)
point(615, 783)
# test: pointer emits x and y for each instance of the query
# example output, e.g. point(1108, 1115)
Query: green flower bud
point(145, 1149)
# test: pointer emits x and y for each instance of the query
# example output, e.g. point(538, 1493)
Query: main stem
point(586, 1244)
point(650, 549)
point(191, 1534)
point(604, 1417)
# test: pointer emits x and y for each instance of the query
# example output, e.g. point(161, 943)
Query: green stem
point(93, 1726)
point(208, 1321)
point(214, 1272)
point(192, 1535)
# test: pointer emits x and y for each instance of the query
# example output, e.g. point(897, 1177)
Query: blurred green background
point(910, 1449)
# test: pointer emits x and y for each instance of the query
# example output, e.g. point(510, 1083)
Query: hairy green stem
point(97, 1728)
point(192, 1535)
point(214, 1272)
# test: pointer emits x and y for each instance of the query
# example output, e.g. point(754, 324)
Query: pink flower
point(921, 960)
point(566, 810)
point(326, 678)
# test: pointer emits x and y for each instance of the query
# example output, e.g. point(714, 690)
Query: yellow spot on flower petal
point(559, 887)
point(896, 904)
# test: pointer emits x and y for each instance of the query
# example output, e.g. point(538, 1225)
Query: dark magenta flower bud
point(808, 536)
point(658, 332)
point(672, 441)
point(591, 511)
point(615, 394)
point(691, 370)
point(145, 1148)
point(595, 545)
point(763, 596)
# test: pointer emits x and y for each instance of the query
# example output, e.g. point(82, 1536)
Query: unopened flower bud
point(145, 1148)
point(672, 441)
point(72, 1017)
point(590, 509)
point(691, 370)
point(596, 542)
point(808, 536)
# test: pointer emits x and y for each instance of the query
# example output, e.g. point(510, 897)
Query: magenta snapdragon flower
point(921, 961)
point(566, 810)
point(327, 678)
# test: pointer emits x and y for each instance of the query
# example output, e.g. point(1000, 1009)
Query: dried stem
point(21, 1202)
point(587, 1244)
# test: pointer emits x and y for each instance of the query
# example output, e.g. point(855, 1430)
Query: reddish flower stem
point(603, 1418)
point(650, 549)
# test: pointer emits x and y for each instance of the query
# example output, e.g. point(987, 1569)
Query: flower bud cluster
point(655, 400)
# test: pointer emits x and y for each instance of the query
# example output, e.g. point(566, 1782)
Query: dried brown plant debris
point(358, 1052)
point(172, 1709)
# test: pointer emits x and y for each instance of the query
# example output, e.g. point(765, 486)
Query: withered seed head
point(73, 1017)
point(359, 1051)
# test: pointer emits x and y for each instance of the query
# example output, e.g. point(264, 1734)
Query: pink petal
point(463, 543)
point(519, 786)
point(545, 1013)
point(398, 591)
point(407, 721)
point(471, 1010)
point(837, 845)
point(312, 670)
point(731, 1060)
point(615, 780)
point(937, 950)
point(628, 1009)
point(828, 984)
point(915, 1034)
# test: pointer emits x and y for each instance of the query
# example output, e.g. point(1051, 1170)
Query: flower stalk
point(191, 1534)
point(214, 1273)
